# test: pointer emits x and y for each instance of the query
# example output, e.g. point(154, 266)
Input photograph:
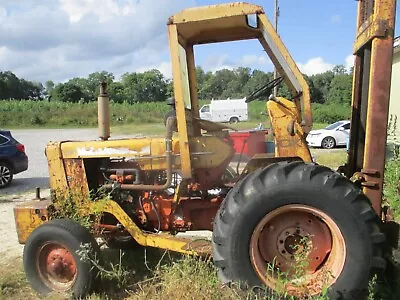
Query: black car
point(13, 159)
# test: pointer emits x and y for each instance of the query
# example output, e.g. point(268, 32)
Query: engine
point(181, 207)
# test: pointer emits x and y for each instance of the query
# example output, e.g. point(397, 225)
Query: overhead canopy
point(217, 23)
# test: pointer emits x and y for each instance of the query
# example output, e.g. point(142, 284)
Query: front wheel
point(51, 261)
point(328, 143)
point(234, 120)
point(298, 229)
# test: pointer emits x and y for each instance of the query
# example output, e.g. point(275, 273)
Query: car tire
point(282, 192)
point(6, 174)
point(328, 143)
point(234, 120)
point(51, 261)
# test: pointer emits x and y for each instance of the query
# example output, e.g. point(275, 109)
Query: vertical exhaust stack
point(103, 110)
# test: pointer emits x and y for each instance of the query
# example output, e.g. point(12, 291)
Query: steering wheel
point(265, 89)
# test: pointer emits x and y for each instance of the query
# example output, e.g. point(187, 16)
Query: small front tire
point(51, 261)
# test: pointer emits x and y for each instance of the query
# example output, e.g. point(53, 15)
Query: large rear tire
point(267, 216)
point(51, 261)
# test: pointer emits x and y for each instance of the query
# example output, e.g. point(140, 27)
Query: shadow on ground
point(23, 185)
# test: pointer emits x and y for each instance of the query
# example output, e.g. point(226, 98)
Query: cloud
point(215, 62)
point(349, 62)
point(164, 67)
point(314, 66)
point(336, 19)
point(60, 39)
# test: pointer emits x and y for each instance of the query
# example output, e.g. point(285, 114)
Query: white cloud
point(349, 62)
point(60, 39)
point(104, 11)
point(252, 60)
point(314, 66)
point(164, 67)
point(336, 19)
point(215, 62)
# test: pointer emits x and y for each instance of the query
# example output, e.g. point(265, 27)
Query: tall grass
point(29, 113)
point(59, 114)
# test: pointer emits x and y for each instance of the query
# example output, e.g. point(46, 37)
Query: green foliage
point(329, 113)
point(30, 113)
point(340, 89)
point(13, 87)
point(70, 91)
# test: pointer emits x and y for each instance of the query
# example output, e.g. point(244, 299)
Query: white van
point(230, 110)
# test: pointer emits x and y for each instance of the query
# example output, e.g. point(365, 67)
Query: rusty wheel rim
point(56, 266)
point(301, 244)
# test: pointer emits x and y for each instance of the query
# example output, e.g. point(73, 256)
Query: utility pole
point(276, 14)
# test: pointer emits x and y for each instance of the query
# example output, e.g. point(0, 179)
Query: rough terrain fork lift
point(144, 191)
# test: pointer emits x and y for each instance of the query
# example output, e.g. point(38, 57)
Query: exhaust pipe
point(103, 112)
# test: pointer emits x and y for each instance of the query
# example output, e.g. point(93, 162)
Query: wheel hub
point(5, 175)
point(297, 237)
point(56, 266)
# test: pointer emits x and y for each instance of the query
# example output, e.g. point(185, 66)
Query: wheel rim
point(5, 175)
point(56, 266)
point(328, 143)
point(302, 243)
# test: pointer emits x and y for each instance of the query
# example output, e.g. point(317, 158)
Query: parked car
point(331, 136)
point(13, 159)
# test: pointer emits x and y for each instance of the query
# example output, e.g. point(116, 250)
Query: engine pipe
point(171, 123)
point(103, 113)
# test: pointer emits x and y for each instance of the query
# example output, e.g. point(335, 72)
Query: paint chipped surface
point(106, 151)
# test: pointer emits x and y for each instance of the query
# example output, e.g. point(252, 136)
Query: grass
point(330, 158)
point(131, 117)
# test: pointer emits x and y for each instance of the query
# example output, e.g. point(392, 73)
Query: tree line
point(334, 86)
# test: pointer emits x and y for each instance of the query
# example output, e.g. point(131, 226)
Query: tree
point(94, 80)
point(149, 86)
point(49, 87)
point(322, 83)
point(339, 70)
point(341, 89)
point(68, 92)
point(257, 80)
point(116, 92)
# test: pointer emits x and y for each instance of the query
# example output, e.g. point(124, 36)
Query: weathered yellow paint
point(219, 11)
point(163, 241)
point(28, 216)
point(289, 135)
point(227, 22)
point(67, 170)
point(287, 68)
point(180, 82)
point(374, 27)
point(57, 177)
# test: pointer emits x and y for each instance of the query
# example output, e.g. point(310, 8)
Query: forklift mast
point(373, 50)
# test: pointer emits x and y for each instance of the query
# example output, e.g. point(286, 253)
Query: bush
point(330, 113)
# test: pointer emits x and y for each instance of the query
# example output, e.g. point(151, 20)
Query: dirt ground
point(9, 246)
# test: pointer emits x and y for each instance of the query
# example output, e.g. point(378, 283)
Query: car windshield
point(334, 125)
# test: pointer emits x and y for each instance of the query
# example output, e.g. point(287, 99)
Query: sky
point(61, 39)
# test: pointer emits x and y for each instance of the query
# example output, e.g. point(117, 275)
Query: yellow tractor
point(143, 191)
